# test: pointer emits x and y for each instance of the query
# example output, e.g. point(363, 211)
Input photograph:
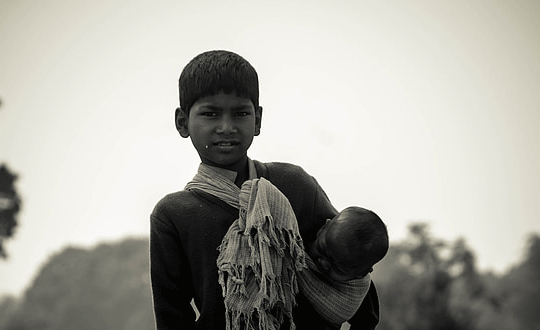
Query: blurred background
point(426, 112)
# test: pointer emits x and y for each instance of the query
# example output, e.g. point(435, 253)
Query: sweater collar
point(231, 175)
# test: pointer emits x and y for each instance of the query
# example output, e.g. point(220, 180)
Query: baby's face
point(332, 258)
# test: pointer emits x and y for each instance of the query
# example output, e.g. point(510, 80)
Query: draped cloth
point(259, 255)
point(262, 259)
point(336, 302)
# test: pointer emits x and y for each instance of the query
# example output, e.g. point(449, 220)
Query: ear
point(181, 122)
point(325, 264)
point(258, 120)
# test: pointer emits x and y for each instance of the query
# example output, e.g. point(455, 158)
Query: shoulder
point(182, 199)
point(308, 200)
point(299, 186)
point(285, 173)
point(281, 166)
point(172, 205)
point(187, 207)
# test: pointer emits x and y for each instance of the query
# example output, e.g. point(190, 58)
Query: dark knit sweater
point(188, 226)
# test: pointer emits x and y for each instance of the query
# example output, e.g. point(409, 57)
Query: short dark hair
point(364, 232)
point(214, 71)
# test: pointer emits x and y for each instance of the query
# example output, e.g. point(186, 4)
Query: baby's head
point(348, 245)
point(216, 71)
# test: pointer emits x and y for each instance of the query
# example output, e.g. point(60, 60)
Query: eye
point(241, 113)
point(209, 114)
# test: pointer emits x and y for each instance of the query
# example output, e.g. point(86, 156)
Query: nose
point(226, 125)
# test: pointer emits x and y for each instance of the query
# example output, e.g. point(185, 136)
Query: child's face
point(222, 127)
point(332, 258)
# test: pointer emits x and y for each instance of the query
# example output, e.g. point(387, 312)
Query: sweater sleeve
point(312, 207)
point(367, 316)
point(323, 208)
point(309, 201)
point(171, 278)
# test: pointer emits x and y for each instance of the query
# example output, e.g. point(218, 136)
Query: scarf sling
point(336, 302)
point(262, 261)
point(260, 253)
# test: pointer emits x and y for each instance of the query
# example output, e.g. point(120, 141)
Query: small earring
point(206, 146)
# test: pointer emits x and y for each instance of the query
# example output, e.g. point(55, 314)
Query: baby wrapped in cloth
point(262, 261)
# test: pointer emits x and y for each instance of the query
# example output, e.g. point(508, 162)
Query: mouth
point(226, 143)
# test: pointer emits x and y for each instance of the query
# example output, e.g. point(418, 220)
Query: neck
point(242, 175)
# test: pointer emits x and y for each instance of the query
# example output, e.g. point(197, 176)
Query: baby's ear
point(181, 122)
point(325, 264)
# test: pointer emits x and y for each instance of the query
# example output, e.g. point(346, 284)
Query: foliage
point(104, 288)
point(426, 283)
point(423, 283)
point(8, 305)
point(521, 288)
point(10, 204)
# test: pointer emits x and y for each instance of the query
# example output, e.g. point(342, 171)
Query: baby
point(340, 260)
point(262, 260)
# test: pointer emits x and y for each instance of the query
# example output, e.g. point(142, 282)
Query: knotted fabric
point(259, 255)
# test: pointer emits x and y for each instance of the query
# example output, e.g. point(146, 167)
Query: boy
point(219, 111)
point(340, 261)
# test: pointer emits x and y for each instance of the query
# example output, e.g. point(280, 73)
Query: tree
point(521, 288)
point(428, 284)
point(10, 204)
point(106, 287)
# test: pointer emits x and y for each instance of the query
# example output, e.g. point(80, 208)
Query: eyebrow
point(218, 108)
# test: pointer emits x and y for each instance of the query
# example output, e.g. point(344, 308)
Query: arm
point(367, 316)
point(319, 210)
point(312, 208)
point(171, 278)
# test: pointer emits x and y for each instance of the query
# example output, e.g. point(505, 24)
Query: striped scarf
point(262, 262)
point(335, 301)
point(259, 255)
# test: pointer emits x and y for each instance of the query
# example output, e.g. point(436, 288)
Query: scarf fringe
point(269, 251)
point(249, 321)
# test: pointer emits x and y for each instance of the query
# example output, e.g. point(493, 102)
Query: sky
point(422, 111)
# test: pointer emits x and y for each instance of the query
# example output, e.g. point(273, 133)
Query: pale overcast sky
point(419, 110)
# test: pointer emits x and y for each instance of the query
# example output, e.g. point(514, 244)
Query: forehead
point(329, 237)
point(224, 100)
